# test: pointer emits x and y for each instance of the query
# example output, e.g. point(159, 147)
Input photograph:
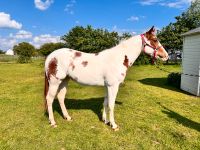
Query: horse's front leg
point(105, 108)
point(112, 94)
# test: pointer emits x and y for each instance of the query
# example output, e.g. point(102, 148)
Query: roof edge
point(192, 32)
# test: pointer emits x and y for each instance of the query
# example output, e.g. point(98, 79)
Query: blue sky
point(41, 21)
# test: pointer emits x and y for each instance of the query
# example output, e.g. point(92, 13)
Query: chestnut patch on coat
point(84, 63)
point(122, 74)
point(77, 54)
point(125, 61)
point(152, 38)
point(52, 68)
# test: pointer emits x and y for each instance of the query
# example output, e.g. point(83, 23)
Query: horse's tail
point(46, 88)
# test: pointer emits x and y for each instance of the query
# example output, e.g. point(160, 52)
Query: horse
point(107, 68)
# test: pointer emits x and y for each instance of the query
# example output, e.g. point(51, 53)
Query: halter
point(144, 43)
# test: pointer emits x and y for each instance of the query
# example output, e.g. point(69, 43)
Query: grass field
point(151, 114)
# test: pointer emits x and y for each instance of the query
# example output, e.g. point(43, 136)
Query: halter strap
point(144, 43)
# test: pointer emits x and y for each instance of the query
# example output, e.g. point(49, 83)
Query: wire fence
point(8, 58)
point(13, 58)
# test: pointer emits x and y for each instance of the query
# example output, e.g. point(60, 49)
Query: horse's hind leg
point(112, 93)
point(53, 87)
point(105, 108)
point(62, 90)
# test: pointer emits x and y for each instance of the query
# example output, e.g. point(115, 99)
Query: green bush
point(24, 51)
point(23, 59)
point(48, 48)
point(143, 59)
point(174, 79)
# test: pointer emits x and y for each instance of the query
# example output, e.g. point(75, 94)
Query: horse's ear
point(152, 30)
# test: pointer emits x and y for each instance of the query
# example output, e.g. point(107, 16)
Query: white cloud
point(43, 5)
point(133, 18)
point(176, 4)
point(149, 2)
point(25, 36)
point(167, 3)
point(7, 43)
point(22, 34)
point(77, 22)
point(69, 8)
point(121, 31)
point(44, 38)
point(6, 22)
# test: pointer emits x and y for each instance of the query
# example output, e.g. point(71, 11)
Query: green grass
point(151, 114)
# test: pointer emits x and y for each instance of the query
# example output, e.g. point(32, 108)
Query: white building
point(9, 52)
point(190, 79)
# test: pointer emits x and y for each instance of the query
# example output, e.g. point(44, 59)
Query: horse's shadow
point(180, 119)
point(159, 82)
point(94, 104)
point(162, 83)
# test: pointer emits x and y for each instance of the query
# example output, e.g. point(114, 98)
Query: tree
point(24, 51)
point(2, 52)
point(47, 48)
point(125, 36)
point(89, 39)
point(170, 36)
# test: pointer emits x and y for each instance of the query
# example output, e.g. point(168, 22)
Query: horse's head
point(152, 46)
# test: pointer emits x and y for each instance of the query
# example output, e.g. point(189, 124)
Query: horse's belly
point(91, 82)
point(88, 77)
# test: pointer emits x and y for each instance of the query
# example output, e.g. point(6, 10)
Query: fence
point(8, 58)
point(13, 58)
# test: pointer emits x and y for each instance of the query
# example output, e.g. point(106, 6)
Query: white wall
point(191, 64)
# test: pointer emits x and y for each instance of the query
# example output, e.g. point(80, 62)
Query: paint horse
point(107, 68)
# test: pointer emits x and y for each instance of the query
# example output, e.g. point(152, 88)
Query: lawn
point(150, 113)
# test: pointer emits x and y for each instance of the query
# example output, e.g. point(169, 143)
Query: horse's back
point(75, 63)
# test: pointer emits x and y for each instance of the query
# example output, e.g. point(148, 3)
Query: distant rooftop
point(191, 32)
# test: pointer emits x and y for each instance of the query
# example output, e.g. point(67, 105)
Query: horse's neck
point(130, 48)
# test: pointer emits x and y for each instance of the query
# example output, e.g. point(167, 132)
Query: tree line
point(90, 40)
point(85, 39)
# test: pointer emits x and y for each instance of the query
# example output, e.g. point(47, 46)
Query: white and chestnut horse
point(107, 68)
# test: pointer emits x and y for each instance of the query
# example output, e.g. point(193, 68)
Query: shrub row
point(174, 79)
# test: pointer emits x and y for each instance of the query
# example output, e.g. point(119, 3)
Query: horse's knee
point(49, 102)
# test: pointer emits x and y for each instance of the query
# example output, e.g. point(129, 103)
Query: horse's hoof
point(115, 129)
point(54, 126)
point(68, 118)
point(106, 122)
